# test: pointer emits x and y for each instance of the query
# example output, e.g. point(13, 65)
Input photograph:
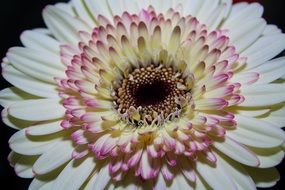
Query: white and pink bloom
point(127, 94)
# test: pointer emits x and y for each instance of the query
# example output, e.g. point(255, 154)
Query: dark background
point(19, 15)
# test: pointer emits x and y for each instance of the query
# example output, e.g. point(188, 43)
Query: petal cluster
point(104, 57)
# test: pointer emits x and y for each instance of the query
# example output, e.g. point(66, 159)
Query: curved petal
point(276, 116)
point(99, 179)
point(77, 171)
point(27, 83)
point(252, 112)
point(268, 157)
point(247, 33)
point(40, 185)
point(242, 12)
point(257, 95)
point(264, 178)
point(43, 182)
point(270, 70)
point(98, 7)
point(263, 49)
point(11, 95)
point(37, 110)
point(238, 173)
point(23, 167)
point(54, 157)
point(83, 12)
point(182, 182)
point(215, 176)
point(118, 6)
point(201, 184)
point(40, 41)
point(209, 12)
point(249, 131)
point(44, 128)
point(39, 65)
point(160, 183)
point(23, 144)
point(13, 122)
point(160, 6)
point(237, 152)
point(66, 7)
point(63, 26)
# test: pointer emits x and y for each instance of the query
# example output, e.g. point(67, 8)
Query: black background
point(19, 15)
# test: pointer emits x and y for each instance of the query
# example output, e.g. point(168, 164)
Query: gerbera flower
point(169, 94)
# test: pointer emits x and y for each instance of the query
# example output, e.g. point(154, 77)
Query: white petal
point(247, 33)
point(173, 184)
point(27, 83)
point(242, 12)
point(269, 157)
point(201, 185)
point(13, 158)
point(182, 182)
point(276, 116)
point(252, 112)
point(11, 95)
point(209, 12)
point(23, 144)
point(237, 151)
point(66, 7)
point(43, 182)
point(160, 183)
point(14, 122)
point(119, 6)
point(206, 10)
point(249, 131)
point(229, 5)
point(23, 167)
point(271, 29)
point(264, 49)
point(262, 95)
point(46, 186)
point(98, 7)
point(129, 182)
point(83, 12)
point(36, 184)
point(187, 169)
point(37, 110)
point(44, 128)
point(145, 166)
point(283, 146)
point(77, 171)
point(216, 177)
point(63, 26)
point(270, 70)
point(40, 185)
point(91, 182)
point(218, 15)
point(160, 6)
point(245, 78)
point(38, 41)
point(42, 66)
point(264, 178)
point(192, 7)
point(99, 180)
point(54, 157)
point(238, 173)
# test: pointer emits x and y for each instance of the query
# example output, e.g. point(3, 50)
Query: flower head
point(139, 94)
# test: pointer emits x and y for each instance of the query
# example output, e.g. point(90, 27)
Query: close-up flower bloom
point(147, 94)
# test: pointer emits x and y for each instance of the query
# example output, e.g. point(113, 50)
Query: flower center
point(150, 93)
